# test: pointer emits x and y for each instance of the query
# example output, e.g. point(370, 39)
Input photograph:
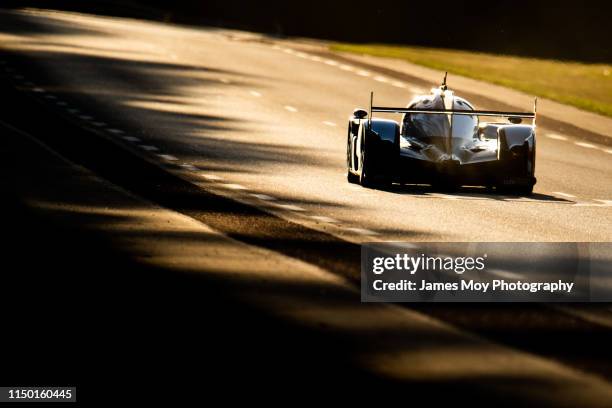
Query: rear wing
point(502, 114)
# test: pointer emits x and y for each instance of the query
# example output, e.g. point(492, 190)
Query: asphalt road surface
point(228, 119)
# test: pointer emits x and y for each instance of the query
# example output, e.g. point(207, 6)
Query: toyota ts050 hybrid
point(442, 142)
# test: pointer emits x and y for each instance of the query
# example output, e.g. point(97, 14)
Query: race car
point(442, 142)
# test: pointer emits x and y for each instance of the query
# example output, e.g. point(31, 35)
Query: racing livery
point(442, 142)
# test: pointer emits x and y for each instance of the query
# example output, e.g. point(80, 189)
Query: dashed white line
point(398, 84)
point(363, 73)
point(416, 90)
point(331, 62)
point(301, 55)
point(49, 96)
point(564, 194)
point(85, 117)
point(225, 81)
point(328, 123)
point(167, 157)
point(189, 167)
point(212, 177)
point(585, 145)
point(290, 207)
point(345, 67)
point(315, 58)
point(555, 136)
point(232, 186)
point(61, 103)
point(608, 151)
point(99, 124)
point(149, 148)
point(605, 202)
point(361, 231)
point(380, 78)
point(131, 139)
point(18, 76)
point(263, 197)
point(290, 108)
point(39, 90)
point(255, 93)
point(115, 131)
point(74, 111)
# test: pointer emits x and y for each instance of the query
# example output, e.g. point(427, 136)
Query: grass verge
point(586, 86)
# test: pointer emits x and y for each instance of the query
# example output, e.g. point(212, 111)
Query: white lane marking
point(363, 73)
point(189, 167)
point(115, 131)
point(586, 145)
point(328, 123)
point(555, 136)
point(131, 139)
point(18, 76)
point(225, 81)
point(263, 197)
point(211, 177)
point(85, 117)
point(61, 103)
point(301, 55)
point(608, 151)
point(505, 274)
point(345, 67)
point(290, 108)
point(288, 51)
point(380, 78)
point(290, 207)
point(39, 90)
point(398, 84)
point(255, 93)
point(605, 202)
point(315, 58)
point(361, 231)
point(322, 218)
point(277, 47)
point(149, 148)
point(232, 186)
point(74, 110)
point(49, 96)
point(445, 196)
point(564, 194)
point(168, 157)
point(416, 90)
point(99, 124)
point(331, 62)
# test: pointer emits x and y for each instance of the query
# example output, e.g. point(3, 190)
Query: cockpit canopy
point(432, 127)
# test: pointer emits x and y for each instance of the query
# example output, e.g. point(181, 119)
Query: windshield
point(429, 127)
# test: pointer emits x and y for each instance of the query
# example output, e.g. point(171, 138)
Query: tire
point(523, 183)
point(366, 178)
point(350, 177)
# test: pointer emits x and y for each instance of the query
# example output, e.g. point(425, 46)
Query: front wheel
point(366, 178)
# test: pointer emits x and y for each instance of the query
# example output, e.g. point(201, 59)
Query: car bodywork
point(442, 141)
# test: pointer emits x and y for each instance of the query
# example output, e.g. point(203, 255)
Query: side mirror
point(515, 120)
point(360, 113)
